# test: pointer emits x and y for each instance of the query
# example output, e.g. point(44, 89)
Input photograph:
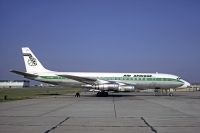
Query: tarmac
point(118, 113)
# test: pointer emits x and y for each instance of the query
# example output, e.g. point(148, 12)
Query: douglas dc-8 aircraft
point(103, 82)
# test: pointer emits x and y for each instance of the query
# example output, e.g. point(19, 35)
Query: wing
point(86, 80)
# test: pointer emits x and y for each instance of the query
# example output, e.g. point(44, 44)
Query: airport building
point(196, 87)
point(14, 83)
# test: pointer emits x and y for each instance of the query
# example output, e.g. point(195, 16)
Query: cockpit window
point(179, 78)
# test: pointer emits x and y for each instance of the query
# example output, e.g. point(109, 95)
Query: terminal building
point(14, 83)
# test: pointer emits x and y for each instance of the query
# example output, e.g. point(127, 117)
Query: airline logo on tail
point(31, 61)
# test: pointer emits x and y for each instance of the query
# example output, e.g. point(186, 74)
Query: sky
point(102, 36)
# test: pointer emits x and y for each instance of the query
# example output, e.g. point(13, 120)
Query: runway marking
point(151, 127)
point(54, 127)
point(114, 107)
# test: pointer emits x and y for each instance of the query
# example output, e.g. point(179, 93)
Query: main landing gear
point(102, 94)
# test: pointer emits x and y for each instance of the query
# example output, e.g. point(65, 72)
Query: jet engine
point(114, 87)
point(126, 88)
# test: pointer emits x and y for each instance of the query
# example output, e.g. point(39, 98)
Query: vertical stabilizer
point(31, 62)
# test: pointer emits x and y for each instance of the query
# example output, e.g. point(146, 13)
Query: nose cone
point(185, 84)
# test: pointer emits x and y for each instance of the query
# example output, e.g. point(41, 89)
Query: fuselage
point(139, 80)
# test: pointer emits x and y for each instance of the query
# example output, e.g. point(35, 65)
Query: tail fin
point(31, 62)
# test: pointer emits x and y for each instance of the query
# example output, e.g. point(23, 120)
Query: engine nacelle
point(125, 88)
point(114, 87)
point(106, 87)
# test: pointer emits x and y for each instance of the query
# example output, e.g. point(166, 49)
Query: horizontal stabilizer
point(24, 73)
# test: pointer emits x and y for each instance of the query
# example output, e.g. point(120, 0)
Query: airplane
point(102, 82)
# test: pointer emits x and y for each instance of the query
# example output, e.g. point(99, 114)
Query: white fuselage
point(138, 80)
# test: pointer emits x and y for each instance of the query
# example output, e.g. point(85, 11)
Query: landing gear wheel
point(156, 92)
point(170, 94)
point(105, 94)
point(102, 94)
point(98, 94)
